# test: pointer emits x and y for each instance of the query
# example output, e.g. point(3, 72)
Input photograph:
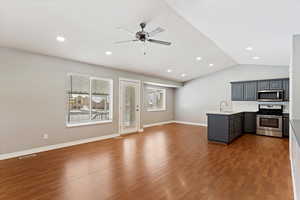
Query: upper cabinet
point(286, 89)
point(276, 85)
point(237, 92)
point(263, 85)
point(250, 91)
point(247, 90)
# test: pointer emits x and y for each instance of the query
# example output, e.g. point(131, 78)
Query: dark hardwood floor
point(165, 162)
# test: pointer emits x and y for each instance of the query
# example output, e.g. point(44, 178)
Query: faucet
point(221, 104)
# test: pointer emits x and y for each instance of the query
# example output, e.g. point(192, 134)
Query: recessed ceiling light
point(60, 38)
point(211, 65)
point(255, 58)
point(198, 58)
point(108, 53)
point(249, 48)
point(169, 70)
point(183, 75)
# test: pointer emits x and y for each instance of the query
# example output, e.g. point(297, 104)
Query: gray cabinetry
point(286, 125)
point(218, 128)
point(286, 89)
point(263, 85)
point(247, 90)
point(250, 91)
point(250, 122)
point(237, 92)
point(224, 128)
point(276, 84)
point(236, 128)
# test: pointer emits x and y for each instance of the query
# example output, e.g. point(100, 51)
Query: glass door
point(129, 106)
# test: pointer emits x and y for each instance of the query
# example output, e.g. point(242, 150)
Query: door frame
point(139, 103)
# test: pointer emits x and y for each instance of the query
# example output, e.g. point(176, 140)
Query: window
point(89, 100)
point(155, 99)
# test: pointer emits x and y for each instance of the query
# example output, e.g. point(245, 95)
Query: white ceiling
point(90, 30)
point(265, 25)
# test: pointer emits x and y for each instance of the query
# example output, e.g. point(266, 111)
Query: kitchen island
point(226, 126)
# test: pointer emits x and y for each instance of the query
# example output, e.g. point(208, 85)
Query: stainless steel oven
point(270, 95)
point(270, 125)
point(269, 120)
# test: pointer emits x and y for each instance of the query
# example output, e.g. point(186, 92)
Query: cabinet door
point(263, 85)
point(235, 126)
point(286, 89)
point(238, 125)
point(276, 84)
point(250, 122)
point(231, 130)
point(286, 127)
point(218, 127)
point(237, 91)
point(250, 91)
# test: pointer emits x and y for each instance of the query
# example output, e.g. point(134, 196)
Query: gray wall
point(159, 116)
point(33, 100)
point(204, 94)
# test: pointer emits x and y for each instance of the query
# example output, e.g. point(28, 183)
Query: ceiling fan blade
point(127, 31)
point(156, 31)
point(125, 41)
point(160, 42)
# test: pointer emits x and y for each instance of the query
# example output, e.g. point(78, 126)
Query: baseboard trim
point(55, 146)
point(83, 141)
point(190, 123)
point(157, 124)
point(178, 122)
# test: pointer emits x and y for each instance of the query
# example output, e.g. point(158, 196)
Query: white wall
point(204, 94)
point(33, 100)
point(295, 115)
point(295, 80)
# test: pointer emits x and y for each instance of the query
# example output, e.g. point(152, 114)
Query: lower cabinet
point(227, 127)
point(236, 128)
point(250, 122)
point(286, 125)
point(224, 128)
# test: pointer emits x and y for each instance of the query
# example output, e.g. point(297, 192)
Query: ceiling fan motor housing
point(142, 36)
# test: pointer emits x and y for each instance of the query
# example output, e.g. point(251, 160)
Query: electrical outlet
point(45, 136)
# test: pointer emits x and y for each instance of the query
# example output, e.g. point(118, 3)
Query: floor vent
point(27, 156)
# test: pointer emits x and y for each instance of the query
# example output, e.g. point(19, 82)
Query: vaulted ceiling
point(217, 31)
point(90, 29)
point(266, 26)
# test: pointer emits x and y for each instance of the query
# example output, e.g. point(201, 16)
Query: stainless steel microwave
point(270, 95)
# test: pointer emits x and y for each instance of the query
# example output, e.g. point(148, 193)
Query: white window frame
point(164, 99)
point(91, 78)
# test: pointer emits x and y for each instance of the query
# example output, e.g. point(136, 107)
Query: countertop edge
point(227, 113)
point(234, 112)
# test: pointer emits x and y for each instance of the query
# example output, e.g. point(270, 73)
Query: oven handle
point(270, 116)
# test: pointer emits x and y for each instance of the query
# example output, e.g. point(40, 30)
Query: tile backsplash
point(253, 105)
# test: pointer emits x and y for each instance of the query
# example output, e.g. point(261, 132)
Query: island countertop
point(228, 112)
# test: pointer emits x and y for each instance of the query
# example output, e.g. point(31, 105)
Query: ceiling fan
point(144, 36)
